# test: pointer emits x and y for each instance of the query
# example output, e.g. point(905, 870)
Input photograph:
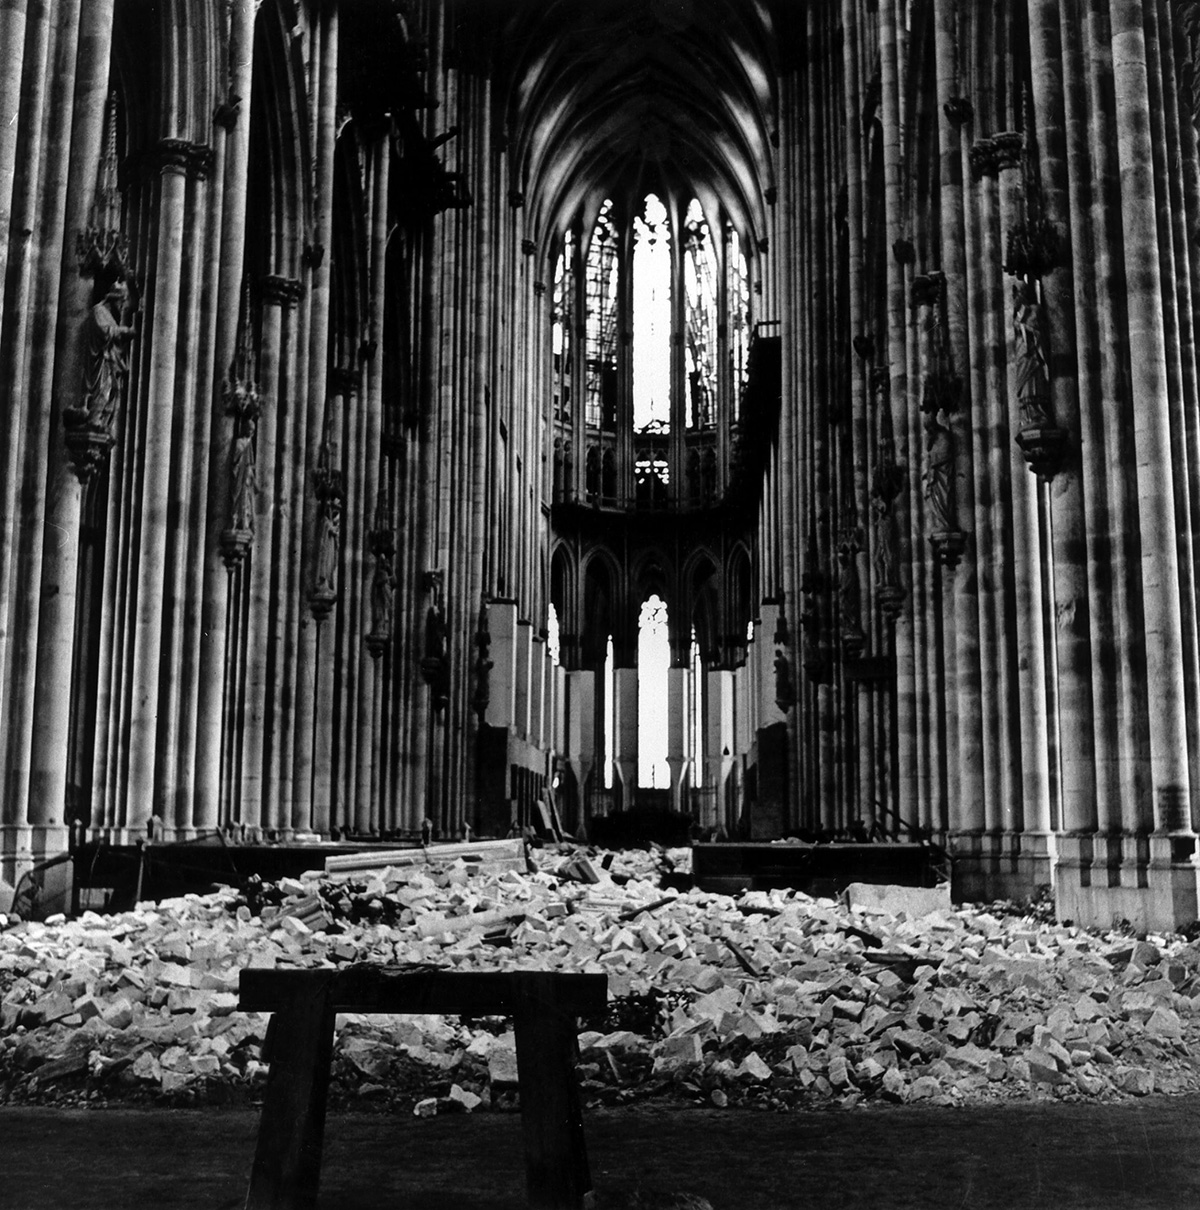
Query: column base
point(23, 846)
point(1000, 865)
point(1146, 883)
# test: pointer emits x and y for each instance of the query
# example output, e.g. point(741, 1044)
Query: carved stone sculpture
point(328, 545)
point(89, 424)
point(482, 695)
point(886, 556)
point(850, 588)
point(939, 475)
point(435, 665)
point(328, 489)
point(1031, 372)
point(111, 330)
point(382, 540)
point(785, 693)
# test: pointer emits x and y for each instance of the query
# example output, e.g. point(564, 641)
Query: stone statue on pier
point(243, 405)
point(785, 693)
point(383, 595)
point(244, 481)
point(328, 544)
point(1031, 371)
point(107, 370)
point(939, 475)
point(886, 555)
point(849, 585)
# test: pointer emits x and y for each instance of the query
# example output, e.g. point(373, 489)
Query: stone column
point(323, 590)
point(36, 405)
point(523, 644)
point(502, 684)
point(318, 389)
point(174, 158)
point(1027, 618)
point(993, 461)
point(677, 713)
point(1072, 623)
point(278, 294)
point(214, 655)
point(897, 354)
point(539, 662)
point(580, 746)
point(718, 741)
point(1151, 435)
point(12, 59)
point(56, 625)
point(374, 472)
point(23, 94)
point(625, 731)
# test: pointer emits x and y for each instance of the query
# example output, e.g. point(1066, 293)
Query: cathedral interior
point(781, 413)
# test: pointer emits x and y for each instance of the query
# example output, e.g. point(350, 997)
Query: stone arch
point(601, 607)
point(652, 573)
point(702, 588)
point(738, 599)
point(563, 596)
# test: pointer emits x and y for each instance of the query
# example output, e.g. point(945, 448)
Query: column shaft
point(1152, 435)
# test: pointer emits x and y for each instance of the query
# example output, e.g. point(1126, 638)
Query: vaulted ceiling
point(605, 95)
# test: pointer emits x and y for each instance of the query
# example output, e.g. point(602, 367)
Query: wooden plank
point(372, 988)
point(287, 1157)
point(556, 1164)
point(473, 850)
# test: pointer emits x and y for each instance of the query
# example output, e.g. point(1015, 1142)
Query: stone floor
point(1133, 1155)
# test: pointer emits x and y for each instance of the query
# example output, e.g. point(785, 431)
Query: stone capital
point(1009, 149)
point(927, 289)
point(281, 291)
point(984, 159)
point(194, 160)
point(227, 112)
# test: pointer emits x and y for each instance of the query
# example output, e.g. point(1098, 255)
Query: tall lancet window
point(737, 284)
point(652, 318)
point(654, 659)
point(610, 714)
point(602, 279)
point(553, 636)
point(700, 292)
point(562, 321)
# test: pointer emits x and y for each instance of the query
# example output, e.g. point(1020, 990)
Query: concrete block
point(891, 900)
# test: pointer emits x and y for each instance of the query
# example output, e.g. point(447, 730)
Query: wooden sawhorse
point(299, 1047)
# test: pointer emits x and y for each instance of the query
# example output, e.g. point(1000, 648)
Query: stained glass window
point(602, 282)
point(652, 318)
point(700, 293)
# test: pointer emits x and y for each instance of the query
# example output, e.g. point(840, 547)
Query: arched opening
point(696, 713)
point(553, 637)
point(737, 310)
point(602, 280)
point(652, 318)
point(562, 322)
point(653, 661)
point(609, 714)
point(700, 297)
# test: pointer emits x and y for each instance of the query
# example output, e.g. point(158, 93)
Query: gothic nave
point(787, 413)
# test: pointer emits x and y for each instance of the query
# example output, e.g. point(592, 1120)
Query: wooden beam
point(369, 988)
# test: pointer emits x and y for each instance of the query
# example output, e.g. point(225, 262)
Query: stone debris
point(774, 999)
point(913, 901)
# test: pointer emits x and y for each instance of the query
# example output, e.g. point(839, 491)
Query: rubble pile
point(771, 998)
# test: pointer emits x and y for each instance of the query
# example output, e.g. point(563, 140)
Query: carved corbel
point(330, 494)
point(849, 543)
point(483, 666)
point(887, 482)
point(435, 664)
point(381, 540)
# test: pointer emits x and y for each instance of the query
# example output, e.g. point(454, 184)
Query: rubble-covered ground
point(771, 999)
